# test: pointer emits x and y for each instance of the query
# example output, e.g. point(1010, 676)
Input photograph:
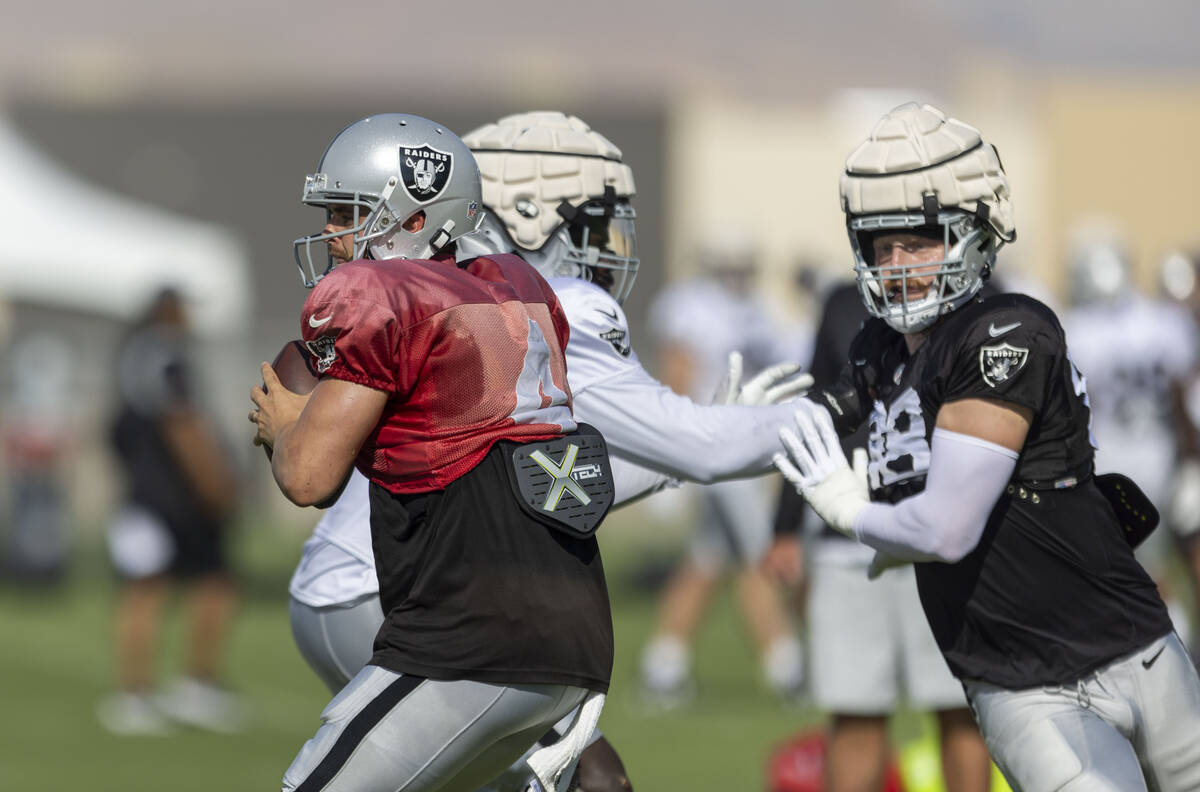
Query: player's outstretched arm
point(314, 442)
point(653, 426)
point(973, 454)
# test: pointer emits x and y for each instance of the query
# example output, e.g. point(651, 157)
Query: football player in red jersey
point(445, 384)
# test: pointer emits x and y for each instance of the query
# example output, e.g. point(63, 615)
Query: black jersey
point(1052, 591)
point(474, 588)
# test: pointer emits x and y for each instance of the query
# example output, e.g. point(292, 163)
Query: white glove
point(772, 385)
point(817, 466)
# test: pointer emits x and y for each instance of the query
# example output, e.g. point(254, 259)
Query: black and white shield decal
point(616, 337)
point(323, 351)
point(425, 172)
point(1001, 363)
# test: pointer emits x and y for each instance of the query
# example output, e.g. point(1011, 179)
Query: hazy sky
point(631, 50)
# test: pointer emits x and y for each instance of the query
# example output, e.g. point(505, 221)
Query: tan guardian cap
point(915, 151)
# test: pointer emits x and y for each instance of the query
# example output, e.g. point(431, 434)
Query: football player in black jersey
point(981, 473)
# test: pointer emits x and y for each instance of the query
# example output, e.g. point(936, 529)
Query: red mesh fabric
point(470, 356)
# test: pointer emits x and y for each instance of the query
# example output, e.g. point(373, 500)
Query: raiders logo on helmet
point(1001, 363)
point(323, 351)
point(425, 171)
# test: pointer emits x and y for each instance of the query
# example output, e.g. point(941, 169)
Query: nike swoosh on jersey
point(315, 322)
point(1150, 660)
point(610, 314)
point(994, 331)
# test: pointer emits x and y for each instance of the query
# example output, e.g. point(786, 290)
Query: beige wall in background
point(1074, 150)
point(770, 174)
point(1126, 150)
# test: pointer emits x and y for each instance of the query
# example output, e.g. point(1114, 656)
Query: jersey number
point(897, 446)
point(539, 400)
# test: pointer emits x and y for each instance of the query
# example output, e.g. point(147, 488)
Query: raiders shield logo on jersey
point(616, 337)
point(323, 352)
point(425, 171)
point(1001, 363)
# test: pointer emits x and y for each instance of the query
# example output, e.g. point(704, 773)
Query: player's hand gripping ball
point(293, 366)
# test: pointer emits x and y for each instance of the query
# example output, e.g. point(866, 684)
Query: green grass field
point(56, 664)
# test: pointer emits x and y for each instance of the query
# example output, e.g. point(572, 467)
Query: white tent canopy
point(74, 245)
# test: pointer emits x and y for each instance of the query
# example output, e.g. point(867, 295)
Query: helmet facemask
point(970, 250)
point(365, 226)
point(596, 243)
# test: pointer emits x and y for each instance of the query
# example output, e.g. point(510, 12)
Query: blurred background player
point(1135, 351)
point(698, 323)
point(868, 640)
point(180, 493)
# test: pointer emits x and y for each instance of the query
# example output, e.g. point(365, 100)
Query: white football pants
point(1132, 725)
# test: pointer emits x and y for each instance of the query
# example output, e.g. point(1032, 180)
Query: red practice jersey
point(470, 354)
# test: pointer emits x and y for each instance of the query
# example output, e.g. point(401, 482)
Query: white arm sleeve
point(632, 481)
point(966, 477)
point(652, 426)
point(646, 423)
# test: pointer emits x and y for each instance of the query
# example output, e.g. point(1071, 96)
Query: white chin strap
point(917, 317)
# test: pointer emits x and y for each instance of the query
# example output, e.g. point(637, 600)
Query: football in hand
point(293, 366)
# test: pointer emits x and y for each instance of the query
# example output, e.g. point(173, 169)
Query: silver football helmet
point(922, 172)
point(389, 167)
point(559, 195)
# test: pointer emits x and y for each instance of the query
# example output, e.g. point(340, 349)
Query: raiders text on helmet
point(559, 194)
point(923, 172)
point(389, 167)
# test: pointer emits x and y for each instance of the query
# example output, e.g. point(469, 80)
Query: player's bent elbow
point(308, 489)
point(955, 544)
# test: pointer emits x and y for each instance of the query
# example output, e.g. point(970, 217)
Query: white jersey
point(1130, 353)
point(655, 437)
point(337, 564)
